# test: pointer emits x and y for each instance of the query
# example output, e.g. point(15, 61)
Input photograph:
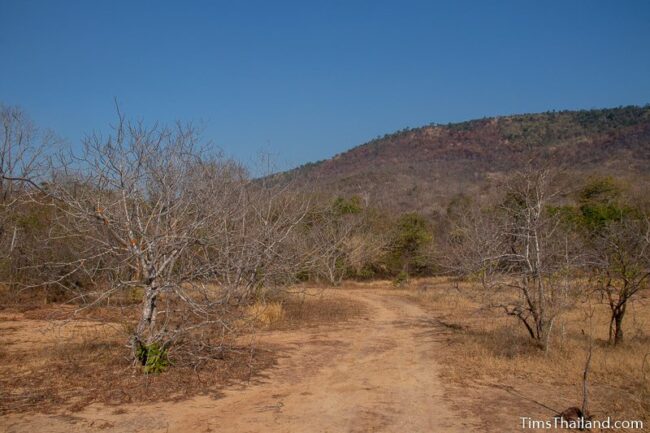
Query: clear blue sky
point(305, 80)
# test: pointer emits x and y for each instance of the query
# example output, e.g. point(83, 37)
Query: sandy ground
point(373, 374)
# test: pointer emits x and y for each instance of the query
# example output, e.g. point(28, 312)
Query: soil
point(375, 373)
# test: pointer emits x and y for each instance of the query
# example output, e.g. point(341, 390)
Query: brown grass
point(73, 369)
point(488, 347)
point(266, 314)
point(308, 308)
point(52, 359)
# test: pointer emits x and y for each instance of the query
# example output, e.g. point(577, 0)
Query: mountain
point(421, 169)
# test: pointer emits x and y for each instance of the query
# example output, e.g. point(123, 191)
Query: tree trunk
point(616, 324)
point(144, 331)
point(148, 317)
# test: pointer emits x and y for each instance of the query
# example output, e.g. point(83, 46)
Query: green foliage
point(153, 357)
point(365, 273)
point(595, 216)
point(602, 190)
point(343, 206)
point(568, 214)
point(549, 128)
point(410, 238)
point(599, 203)
point(401, 278)
point(413, 233)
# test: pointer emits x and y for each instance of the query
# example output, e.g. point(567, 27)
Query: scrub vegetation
point(145, 267)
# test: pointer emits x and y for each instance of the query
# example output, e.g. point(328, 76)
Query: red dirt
point(377, 373)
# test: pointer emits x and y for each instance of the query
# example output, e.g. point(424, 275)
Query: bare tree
point(366, 249)
point(523, 247)
point(622, 266)
point(539, 257)
point(22, 151)
point(159, 216)
point(329, 233)
point(473, 243)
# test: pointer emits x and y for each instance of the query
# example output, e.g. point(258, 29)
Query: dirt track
point(373, 374)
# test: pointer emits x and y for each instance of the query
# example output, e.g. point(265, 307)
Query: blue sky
point(306, 80)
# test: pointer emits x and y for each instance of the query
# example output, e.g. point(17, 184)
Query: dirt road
point(377, 373)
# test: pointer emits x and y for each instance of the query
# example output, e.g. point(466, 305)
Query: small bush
point(153, 357)
point(401, 279)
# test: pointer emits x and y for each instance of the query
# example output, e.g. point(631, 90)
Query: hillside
point(421, 168)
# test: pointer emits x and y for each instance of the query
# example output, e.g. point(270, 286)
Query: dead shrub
point(266, 313)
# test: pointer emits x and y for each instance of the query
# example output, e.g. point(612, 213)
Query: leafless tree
point(366, 249)
point(521, 246)
point(156, 215)
point(473, 244)
point(22, 150)
point(540, 256)
point(622, 266)
point(330, 238)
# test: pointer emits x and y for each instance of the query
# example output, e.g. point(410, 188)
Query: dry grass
point(50, 363)
point(266, 314)
point(486, 346)
point(71, 368)
point(314, 307)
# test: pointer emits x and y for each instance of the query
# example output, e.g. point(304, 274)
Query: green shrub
point(366, 273)
point(408, 246)
point(401, 278)
point(153, 357)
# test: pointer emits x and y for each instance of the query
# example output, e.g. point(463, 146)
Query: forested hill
point(421, 168)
